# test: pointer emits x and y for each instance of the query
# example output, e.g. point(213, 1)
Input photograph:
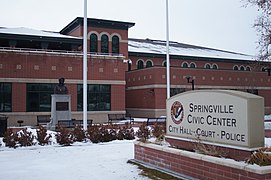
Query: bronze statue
point(61, 88)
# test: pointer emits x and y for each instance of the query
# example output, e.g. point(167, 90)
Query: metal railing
point(50, 51)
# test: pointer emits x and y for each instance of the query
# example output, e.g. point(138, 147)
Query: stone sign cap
point(223, 117)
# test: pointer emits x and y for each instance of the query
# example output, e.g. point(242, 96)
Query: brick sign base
point(190, 164)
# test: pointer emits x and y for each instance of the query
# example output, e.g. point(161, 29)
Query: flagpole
point(167, 56)
point(85, 68)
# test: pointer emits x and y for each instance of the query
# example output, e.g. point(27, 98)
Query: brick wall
point(19, 97)
point(140, 82)
point(117, 97)
point(197, 165)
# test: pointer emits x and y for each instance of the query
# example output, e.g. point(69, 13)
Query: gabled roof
point(97, 23)
point(158, 47)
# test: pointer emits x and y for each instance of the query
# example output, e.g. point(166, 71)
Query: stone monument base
point(60, 109)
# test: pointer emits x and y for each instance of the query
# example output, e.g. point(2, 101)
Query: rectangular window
point(5, 97)
point(39, 97)
point(174, 91)
point(253, 91)
point(99, 97)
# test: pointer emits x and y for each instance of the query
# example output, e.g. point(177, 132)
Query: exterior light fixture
point(189, 80)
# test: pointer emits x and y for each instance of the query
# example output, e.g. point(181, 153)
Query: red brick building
point(123, 74)
point(209, 68)
point(31, 62)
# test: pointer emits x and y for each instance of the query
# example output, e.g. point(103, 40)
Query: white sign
point(218, 116)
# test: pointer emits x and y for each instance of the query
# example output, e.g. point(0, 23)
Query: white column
point(167, 56)
point(85, 67)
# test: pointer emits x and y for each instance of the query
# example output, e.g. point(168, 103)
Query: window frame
point(99, 97)
point(104, 44)
point(207, 64)
point(93, 43)
point(235, 68)
point(39, 95)
point(214, 66)
point(139, 65)
point(194, 64)
point(115, 44)
point(5, 97)
point(149, 65)
point(185, 65)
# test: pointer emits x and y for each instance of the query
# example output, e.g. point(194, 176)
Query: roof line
point(184, 45)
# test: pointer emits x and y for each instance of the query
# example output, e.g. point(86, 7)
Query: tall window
point(5, 97)
point(140, 64)
point(248, 68)
point(93, 43)
point(192, 65)
point(104, 44)
point(207, 66)
point(39, 97)
point(115, 44)
point(149, 64)
point(164, 64)
point(184, 65)
point(235, 67)
point(215, 66)
point(99, 97)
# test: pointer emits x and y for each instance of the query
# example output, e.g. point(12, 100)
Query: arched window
point(104, 44)
point(164, 64)
point(140, 64)
point(149, 64)
point(93, 43)
point(207, 66)
point(242, 68)
point(235, 67)
point(192, 65)
point(248, 68)
point(215, 66)
point(115, 44)
point(184, 65)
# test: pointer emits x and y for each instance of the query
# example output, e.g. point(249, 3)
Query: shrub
point(158, 130)
point(10, 138)
point(64, 137)
point(93, 134)
point(26, 138)
point(126, 132)
point(209, 149)
point(112, 132)
point(143, 133)
point(79, 134)
point(101, 133)
point(104, 134)
point(42, 136)
point(262, 157)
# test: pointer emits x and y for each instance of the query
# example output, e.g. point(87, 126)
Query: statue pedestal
point(60, 109)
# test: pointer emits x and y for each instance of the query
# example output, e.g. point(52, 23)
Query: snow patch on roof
point(179, 49)
point(33, 32)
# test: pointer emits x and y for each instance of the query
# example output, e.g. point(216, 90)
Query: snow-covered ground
point(81, 161)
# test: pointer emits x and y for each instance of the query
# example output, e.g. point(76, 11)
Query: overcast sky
point(222, 24)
